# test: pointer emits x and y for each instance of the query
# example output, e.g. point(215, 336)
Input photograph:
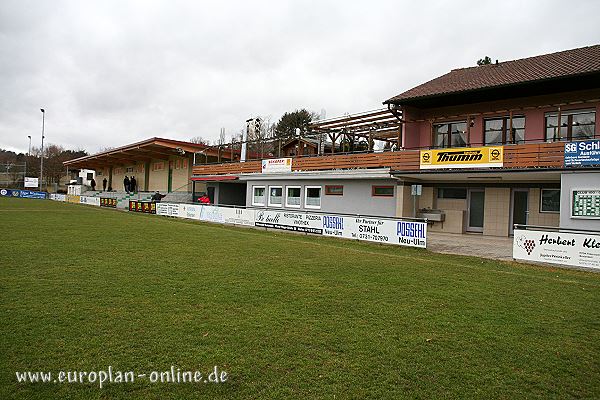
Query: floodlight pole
point(42, 155)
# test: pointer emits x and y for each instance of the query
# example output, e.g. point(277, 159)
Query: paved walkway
point(499, 248)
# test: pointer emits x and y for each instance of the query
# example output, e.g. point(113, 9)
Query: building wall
point(418, 134)
point(496, 211)
point(536, 217)
point(357, 198)
point(573, 181)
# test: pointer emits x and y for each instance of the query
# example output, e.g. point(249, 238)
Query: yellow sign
point(465, 157)
point(73, 199)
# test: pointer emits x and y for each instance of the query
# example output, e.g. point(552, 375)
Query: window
point(292, 198)
point(452, 193)
point(258, 195)
point(497, 131)
point(313, 197)
point(99, 172)
point(129, 169)
point(453, 134)
point(334, 190)
point(90, 176)
point(383, 191)
point(550, 200)
point(574, 125)
point(275, 196)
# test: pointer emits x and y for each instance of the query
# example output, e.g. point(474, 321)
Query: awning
point(214, 178)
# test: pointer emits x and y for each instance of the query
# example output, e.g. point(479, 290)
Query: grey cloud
point(113, 72)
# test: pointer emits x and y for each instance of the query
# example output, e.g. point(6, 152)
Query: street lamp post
point(29, 152)
point(42, 155)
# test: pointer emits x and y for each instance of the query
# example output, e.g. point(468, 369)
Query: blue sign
point(25, 194)
point(586, 152)
point(29, 194)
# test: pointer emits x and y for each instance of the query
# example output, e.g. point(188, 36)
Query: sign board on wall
point(289, 221)
point(108, 202)
point(276, 165)
point(93, 201)
point(585, 204)
point(30, 182)
point(465, 157)
point(576, 249)
point(586, 152)
point(381, 230)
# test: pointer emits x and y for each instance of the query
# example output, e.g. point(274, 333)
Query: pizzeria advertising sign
point(576, 249)
point(465, 157)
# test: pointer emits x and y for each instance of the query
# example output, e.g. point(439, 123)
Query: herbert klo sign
point(276, 165)
point(465, 157)
point(576, 249)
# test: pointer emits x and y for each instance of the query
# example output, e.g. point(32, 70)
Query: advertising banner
point(464, 157)
point(585, 204)
point(289, 221)
point(576, 249)
point(73, 199)
point(237, 216)
point(381, 230)
point(30, 182)
point(108, 202)
point(211, 214)
point(277, 165)
point(89, 200)
point(586, 152)
point(58, 197)
point(147, 207)
point(9, 193)
point(162, 209)
point(190, 211)
point(29, 194)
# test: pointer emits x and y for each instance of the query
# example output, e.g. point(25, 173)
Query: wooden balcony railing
point(534, 155)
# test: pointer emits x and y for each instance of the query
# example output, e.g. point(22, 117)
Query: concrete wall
point(357, 198)
point(577, 181)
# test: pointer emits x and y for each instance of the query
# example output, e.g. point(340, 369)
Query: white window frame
point(269, 196)
point(287, 196)
point(306, 205)
point(264, 196)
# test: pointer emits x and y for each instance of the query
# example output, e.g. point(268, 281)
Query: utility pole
point(42, 155)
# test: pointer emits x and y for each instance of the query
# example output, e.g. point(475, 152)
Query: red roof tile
point(548, 66)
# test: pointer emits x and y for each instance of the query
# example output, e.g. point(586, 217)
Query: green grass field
point(286, 316)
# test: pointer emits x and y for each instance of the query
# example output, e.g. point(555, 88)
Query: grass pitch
point(286, 316)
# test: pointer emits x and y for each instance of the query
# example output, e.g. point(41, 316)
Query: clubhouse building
point(476, 150)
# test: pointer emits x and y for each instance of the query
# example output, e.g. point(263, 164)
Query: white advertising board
point(189, 211)
point(276, 165)
point(237, 216)
point(289, 221)
point(31, 182)
point(58, 197)
point(92, 201)
point(173, 209)
point(162, 209)
point(576, 249)
point(381, 230)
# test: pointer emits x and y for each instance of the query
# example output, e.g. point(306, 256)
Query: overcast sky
point(110, 73)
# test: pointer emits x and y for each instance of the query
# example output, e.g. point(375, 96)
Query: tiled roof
point(548, 66)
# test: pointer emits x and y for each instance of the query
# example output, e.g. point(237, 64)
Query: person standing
point(104, 182)
point(133, 185)
point(126, 183)
point(93, 184)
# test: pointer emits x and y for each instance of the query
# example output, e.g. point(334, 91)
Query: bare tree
point(199, 140)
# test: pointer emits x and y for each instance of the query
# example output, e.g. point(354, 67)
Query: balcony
point(531, 155)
